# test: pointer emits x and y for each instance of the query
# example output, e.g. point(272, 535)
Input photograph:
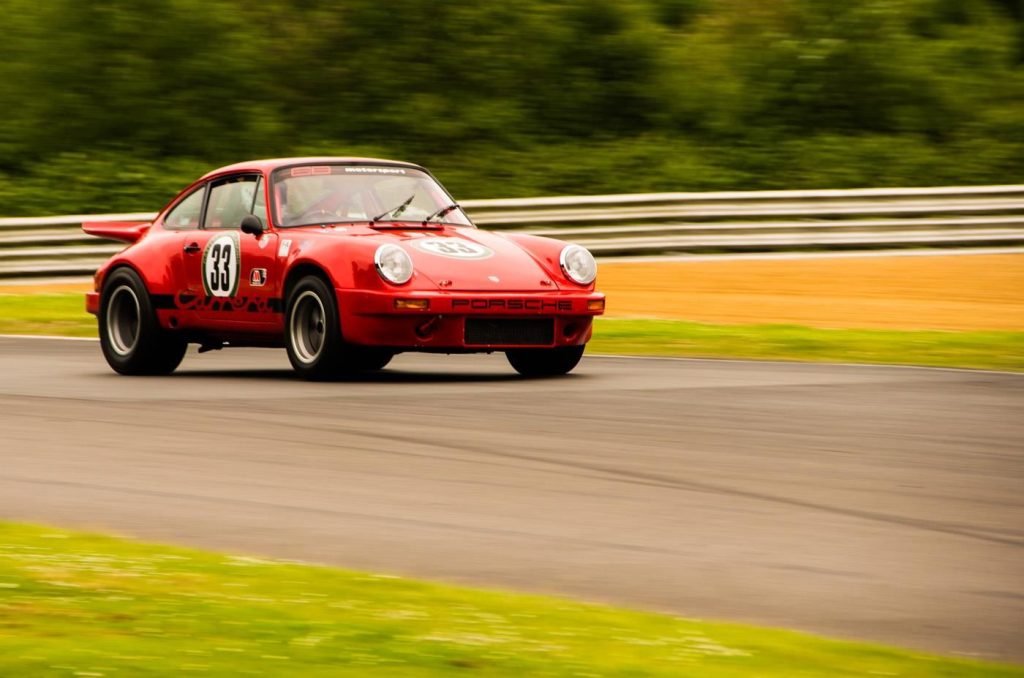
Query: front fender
point(546, 251)
point(348, 264)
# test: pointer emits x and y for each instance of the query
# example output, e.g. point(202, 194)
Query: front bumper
point(372, 319)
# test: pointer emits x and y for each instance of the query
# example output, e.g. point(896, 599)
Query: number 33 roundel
point(456, 248)
point(221, 264)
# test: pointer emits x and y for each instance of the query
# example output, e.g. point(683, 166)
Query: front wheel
point(130, 336)
point(545, 362)
point(370, 359)
point(313, 336)
point(313, 331)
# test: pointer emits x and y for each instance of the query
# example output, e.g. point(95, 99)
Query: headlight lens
point(578, 264)
point(393, 263)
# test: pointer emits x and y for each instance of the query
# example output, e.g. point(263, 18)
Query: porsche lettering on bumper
point(512, 304)
point(365, 302)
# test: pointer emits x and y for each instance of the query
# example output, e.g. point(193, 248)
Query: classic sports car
point(344, 262)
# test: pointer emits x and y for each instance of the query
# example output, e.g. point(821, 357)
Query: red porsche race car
point(344, 262)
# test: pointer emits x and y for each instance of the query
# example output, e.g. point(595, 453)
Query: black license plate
point(510, 332)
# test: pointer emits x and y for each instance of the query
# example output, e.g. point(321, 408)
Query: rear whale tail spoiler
point(126, 231)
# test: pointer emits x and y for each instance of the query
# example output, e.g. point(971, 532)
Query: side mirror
point(252, 225)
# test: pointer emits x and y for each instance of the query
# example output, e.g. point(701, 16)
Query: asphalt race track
point(863, 502)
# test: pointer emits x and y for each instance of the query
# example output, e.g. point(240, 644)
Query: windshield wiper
point(395, 211)
point(442, 212)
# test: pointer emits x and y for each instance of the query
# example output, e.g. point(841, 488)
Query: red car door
point(232, 274)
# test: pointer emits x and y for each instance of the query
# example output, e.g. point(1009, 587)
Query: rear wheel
point(130, 336)
point(545, 362)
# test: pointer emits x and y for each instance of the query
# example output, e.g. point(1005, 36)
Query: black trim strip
point(167, 302)
point(162, 301)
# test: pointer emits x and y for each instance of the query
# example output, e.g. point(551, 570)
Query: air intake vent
point(515, 332)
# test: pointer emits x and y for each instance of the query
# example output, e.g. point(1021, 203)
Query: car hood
point(468, 259)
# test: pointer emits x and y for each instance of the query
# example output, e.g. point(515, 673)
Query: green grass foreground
point(84, 605)
point(64, 314)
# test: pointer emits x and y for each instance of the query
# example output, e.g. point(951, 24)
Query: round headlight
point(393, 263)
point(578, 264)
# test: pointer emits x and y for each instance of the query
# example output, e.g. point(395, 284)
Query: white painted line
point(811, 363)
point(798, 362)
point(46, 336)
point(27, 282)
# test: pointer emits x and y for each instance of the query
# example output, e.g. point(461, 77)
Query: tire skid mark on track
point(659, 480)
point(450, 469)
point(214, 430)
point(608, 472)
point(393, 520)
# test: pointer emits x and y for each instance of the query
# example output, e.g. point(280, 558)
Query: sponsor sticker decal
point(455, 248)
point(311, 171)
point(282, 249)
point(374, 170)
point(222, 261)
point(258, 277)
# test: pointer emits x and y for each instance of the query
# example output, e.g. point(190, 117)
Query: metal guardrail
point(645, 224)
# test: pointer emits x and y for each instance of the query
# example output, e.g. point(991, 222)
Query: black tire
point(131, 338)
point(545, 362)
point(370, 359)
point(312, 333)
point(312, 330)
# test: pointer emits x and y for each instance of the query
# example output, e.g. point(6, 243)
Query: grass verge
point(64, 314)
point(85, 605)
point(934, 348)
point(57, 314)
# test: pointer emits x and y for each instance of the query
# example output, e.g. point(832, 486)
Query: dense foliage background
point(115, 105)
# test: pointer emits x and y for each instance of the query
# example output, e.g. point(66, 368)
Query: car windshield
point(324, 194)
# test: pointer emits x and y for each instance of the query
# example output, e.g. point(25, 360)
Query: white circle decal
point(456, 248)
point(221, 263)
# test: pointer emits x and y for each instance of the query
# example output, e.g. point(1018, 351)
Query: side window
point(230, 200)
point(185, 214)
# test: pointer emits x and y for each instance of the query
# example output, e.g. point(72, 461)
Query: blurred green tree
point(134, 97)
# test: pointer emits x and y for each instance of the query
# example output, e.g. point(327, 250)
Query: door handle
point(191, 248)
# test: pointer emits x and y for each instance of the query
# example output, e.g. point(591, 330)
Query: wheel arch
point(119, 265)
point(154, 350)
point(300, 270)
